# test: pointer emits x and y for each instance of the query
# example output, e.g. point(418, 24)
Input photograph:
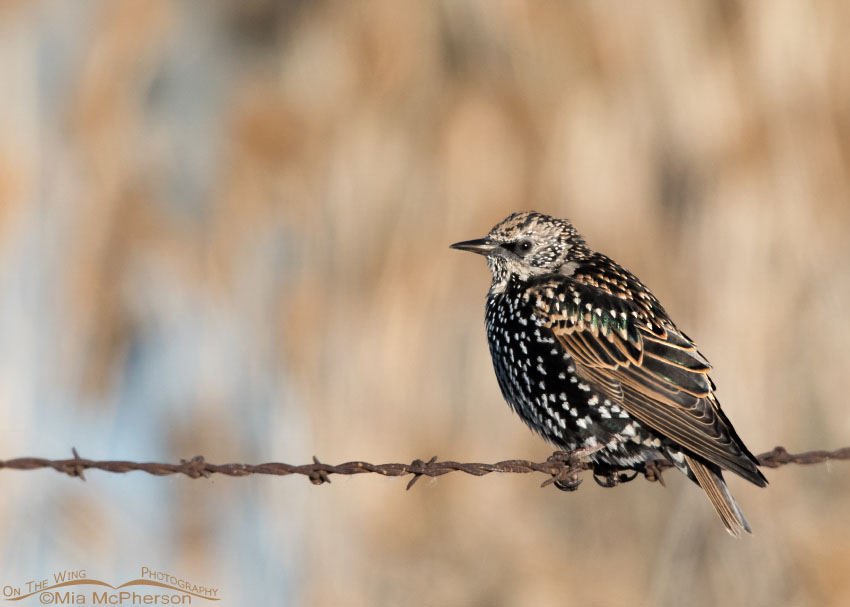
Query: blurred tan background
point(224, 230)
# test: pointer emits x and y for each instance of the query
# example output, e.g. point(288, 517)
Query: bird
point(589, 359)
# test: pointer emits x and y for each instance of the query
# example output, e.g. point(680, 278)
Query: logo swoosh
point(137, 582)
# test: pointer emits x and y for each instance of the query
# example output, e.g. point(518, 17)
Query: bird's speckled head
point(528, 244)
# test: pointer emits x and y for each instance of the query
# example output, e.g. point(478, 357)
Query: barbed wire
point(562, 468)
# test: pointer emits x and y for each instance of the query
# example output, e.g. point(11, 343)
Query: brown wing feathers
point(658, 376)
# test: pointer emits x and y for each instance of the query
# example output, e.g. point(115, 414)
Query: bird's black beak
point(482, 246)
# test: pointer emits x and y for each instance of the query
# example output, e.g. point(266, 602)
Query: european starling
point(589, 359)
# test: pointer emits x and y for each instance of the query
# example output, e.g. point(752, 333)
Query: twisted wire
point(561, 468)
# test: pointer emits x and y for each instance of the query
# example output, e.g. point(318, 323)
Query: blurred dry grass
point(225, 225)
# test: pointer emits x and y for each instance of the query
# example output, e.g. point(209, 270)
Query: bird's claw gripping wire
point(611, 477)
point(570, 464)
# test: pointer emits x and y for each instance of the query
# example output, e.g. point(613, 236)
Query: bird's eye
point(518, 247)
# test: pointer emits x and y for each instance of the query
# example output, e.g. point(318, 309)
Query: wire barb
point(416, 468)
point(78, 469)
point(562, 468)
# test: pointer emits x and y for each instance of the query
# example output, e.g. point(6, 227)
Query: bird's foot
point(570, 465)
point(652, 472)
point(607, 476)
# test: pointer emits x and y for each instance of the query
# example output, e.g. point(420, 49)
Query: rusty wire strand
point(561, 468)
